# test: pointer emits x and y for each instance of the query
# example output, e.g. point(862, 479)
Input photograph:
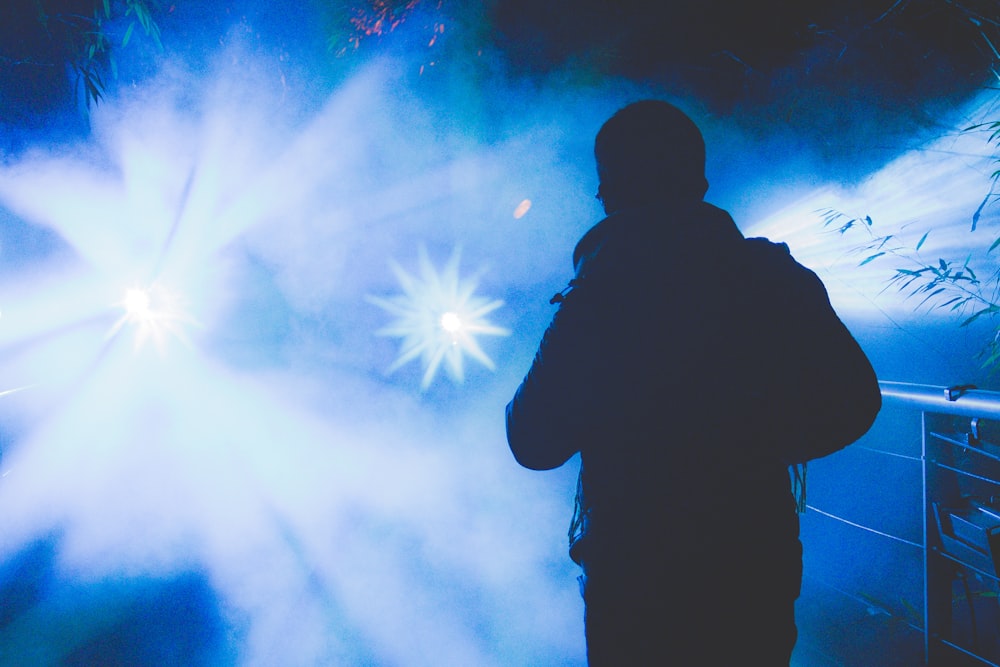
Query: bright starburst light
point(263, 457)
point(438, 317)
point(257, 457)
point(154, 313)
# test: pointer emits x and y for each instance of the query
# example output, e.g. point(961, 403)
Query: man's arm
point(844, 397)
point(828, 395)
point(555, 408)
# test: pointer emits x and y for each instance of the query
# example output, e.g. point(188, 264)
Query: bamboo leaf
point(950, 302)
point(989, 310)
point(922, 239)
point(961, 304)
point(870, 258)
point(930, 296)
point(979, 211)
point(928, 287)
point(155, 34)
point(128, 34)
point(994, 355)
point(93, 92)
point(883, 241)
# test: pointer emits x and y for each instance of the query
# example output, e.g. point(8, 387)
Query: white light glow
point(156, 313)
point(438, 316)
point(136, 304)
point(451, 322)
point(934, 190)
point(268, 454)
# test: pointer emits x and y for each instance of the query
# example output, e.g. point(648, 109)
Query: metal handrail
point(960, 400)
point(963, 401)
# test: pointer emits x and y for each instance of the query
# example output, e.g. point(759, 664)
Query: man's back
point(689, 367)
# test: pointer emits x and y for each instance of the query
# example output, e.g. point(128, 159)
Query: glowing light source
point(451, 322)
point(185, 475)
point(438, 318)
point(136, 304)
point(154, 312)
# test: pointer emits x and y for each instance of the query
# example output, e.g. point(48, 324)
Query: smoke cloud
point(236, 452)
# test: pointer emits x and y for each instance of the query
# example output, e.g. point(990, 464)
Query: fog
point(276, 445)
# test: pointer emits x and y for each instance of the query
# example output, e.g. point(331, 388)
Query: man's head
point(648, 152)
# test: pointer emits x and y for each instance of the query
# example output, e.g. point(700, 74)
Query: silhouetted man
point(690, 367)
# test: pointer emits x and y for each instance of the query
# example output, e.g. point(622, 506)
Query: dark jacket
point(689, 367)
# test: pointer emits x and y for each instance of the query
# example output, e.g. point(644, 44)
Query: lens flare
point(522, 209)
point(438, 318)
point(156, 313)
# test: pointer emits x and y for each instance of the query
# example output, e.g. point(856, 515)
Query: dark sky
point(731, 49)
point(857, 81)
point(852, 83)
point(732, 54)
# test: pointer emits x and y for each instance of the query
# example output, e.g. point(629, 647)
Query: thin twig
point(890, 10)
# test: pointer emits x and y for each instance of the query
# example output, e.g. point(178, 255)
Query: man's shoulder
point(765, 245)
point(645, 232)
point(763, 254)
point(769, 268)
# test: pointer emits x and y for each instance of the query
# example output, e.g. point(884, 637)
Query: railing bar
point(967, 652)
point(959, 561)
point(871, 604)
point(943, 466)
point(869, 529)
point(967, 402)
point(908, 457)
